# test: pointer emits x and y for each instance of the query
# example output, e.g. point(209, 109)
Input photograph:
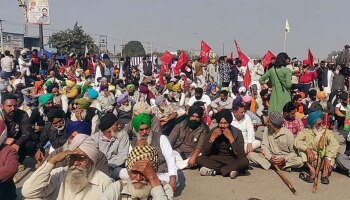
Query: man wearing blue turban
point(307, 145)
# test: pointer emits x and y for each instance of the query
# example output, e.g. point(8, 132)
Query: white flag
point(287, 28)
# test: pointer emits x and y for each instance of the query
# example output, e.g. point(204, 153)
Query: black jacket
point(20, 128)
point(57, 138)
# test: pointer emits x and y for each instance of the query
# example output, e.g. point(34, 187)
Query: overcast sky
point(257, 25)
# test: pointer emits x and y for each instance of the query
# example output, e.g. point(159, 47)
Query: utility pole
point(223, 49)
point(41, 38)
point(121, 47)
point(2, 37)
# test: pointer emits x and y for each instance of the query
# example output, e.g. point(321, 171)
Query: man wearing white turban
point(79, 180)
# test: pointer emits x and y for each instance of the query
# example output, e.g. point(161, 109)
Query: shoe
point(306, 177)
point(204, 171)
point(288, 169)
point(21, 167)
point(325, 180)
point(233, 174)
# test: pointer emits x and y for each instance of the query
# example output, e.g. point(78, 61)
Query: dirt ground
point(260, 184)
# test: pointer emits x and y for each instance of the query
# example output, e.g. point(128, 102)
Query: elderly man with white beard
point(142, 164)
point(113, 142)
point(167, 170)
point(79, 180)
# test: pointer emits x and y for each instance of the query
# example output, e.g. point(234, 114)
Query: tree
point(134, 49)
point(73, 41)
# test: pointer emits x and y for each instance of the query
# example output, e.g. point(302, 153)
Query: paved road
point(261, 184)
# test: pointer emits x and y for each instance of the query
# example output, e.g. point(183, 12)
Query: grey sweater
point(116, 150)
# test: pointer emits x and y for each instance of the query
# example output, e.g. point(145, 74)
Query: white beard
point(76, 179)
point(323, 104)
point(149, 137)
point(125, 108)
point(139, 193)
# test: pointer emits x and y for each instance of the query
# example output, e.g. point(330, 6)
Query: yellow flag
point(287, 28)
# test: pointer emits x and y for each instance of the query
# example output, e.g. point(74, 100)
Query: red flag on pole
point(166, 57)
point(310, 57)
point(205, 49)
point(231, 56)
point(267, 58)
point(180, 63)
point(247, 78)
point(241, 55)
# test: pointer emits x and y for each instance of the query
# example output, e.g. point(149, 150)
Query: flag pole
point(285, 41)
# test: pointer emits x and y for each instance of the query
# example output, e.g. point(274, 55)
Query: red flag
point(247, 78)
point(267, 58)
point(231, 56)
point(310, 57)
point(241, 55)
point(180, 63)
point(161, 71)
point(166, 57)
point(205, 49)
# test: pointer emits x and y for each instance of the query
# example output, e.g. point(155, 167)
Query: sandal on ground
point(325, 180)
point(306, 177)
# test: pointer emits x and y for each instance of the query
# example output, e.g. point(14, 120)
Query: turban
point(92, 94)
point(140, 153)
point(306, 62)
point(140, 119)
point(321, 95)
point(247, 99)
point(87, 145)
point(107, 121)
point(50, 87)
point(103, 87)
point(176, 87)
point(195, 110)
point(130, 87)
point(142, 107)
point(160, 99)
point(169, 85)
point(85, 88)
point(47, 83)
point(122, 98)
point(302, 95)
point(237, 101)
point(276, 118)
point(242, 89)
point(103, 79)
point(313, 117)
point(226, 114)
point(70, 83)
point(55, 113)
point(43, 99)
point(111, 88)
point(83, 103)
point(81, 127)
point(143, 89)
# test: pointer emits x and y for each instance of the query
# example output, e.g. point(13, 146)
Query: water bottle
point(335, 128)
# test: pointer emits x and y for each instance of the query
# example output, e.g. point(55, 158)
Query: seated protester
point(312, 97)
point(142, 107)
point(263, 107)
point(113, 143)
point(59, 100)
point(83, 112)
point(92, 96)
point(142, 165)
point(188, 137)
point(70, 90)
point(8, 166)
point(167, 114)
point(123, 109)
point(53, 132)
point(277, 146)
point(199, 96)
point(340, 110)
point(307, 146)
point(133, 94)
point(79, 180)
point(302, 109)
point(290, 122)
point(343, 159)
point(39, 114)
point(22, 105)
point(224, 102)
point(76, 132)
point(243, 122)
point(167, 170)
point(106, 99)
point(223, 151)
point(19, 128)
point(247, 100)
point(322, 104)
